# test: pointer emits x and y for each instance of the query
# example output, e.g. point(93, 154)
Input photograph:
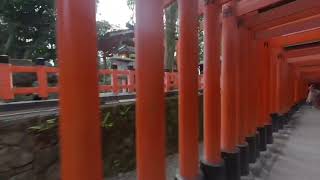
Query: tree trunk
point(10, 40)
point(171, 14)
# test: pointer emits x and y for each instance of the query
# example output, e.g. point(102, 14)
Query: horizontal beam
point(243, 7)
point(311, 62)
point(315, 57)
point(297, 38)
point(283, 14)
point(311, 76)
point(247, 6)
point(311, 69)
point(167, 3)
point(302, 52)
point(297, 26)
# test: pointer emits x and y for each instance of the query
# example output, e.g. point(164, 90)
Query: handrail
point(121, 81)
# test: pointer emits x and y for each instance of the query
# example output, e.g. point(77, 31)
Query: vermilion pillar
point(243, 83)
point(283, 90)
point(291, 80)
point(252, 98)
point(284, 86)
point(278, 82)
point(266, 84)
point(212, 118)
point(150, 119)
point(266, 92)
point(228, 69)
point(297, 80)
point(188, 85)
point(252, 87)
point(262, 59)
point(80, 122)
point(261, 93)
point(6, 84)
point(274, 58)
point(229, 134)
point(242, 98)
point(212, 164)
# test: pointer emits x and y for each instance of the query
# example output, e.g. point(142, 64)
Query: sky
point(116, 12)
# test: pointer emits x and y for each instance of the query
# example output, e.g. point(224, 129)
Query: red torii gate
point(80, 132)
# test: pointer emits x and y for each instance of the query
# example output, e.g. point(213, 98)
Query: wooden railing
point(120, 81)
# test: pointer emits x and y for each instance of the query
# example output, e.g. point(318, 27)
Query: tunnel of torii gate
point(260, 56)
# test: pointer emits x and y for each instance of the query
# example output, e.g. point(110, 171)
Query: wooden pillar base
point(257, 145)
point(232, 162)
point(281, 122)
point(244, 159)
point(252, 141)
point(275, 122)
point(263, 139)
point(213, 171)
point(269, 134)
point(179, 177)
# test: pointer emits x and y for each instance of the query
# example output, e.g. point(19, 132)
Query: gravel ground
point(267, 167)
point(301, 160)
point(172, 166)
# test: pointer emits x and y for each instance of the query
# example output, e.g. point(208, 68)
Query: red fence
point(121, 81)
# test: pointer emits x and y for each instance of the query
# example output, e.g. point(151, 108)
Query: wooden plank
point(283, 14)
point(313, 58)
point(167, 3)
point(297, 38)
point(245, 7)
point(311, 62)
point(302, 52)
point(297, 26)
point(310, 69)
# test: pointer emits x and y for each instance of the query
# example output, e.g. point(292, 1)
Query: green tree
point(103, 27)
point(132, 6)
point(171, 18)
point(27, 28)
point(171, 15)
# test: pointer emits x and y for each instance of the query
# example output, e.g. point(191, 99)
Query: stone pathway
point(301, 157)
point(294, 155)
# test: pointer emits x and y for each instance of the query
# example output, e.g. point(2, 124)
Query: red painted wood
point(212, 102)
point(229, 134)
point(79, 124)
point(150, 117)
point(188, 85)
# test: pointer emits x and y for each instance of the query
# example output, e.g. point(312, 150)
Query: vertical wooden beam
point(212, 109)
point(228, 69)
point(150, 119)
point(261, 49)
point(252, 86)
point(188, 85)
point(80, 135)
point(297, 80)
point(291, 86)
point(261, 88)
point(212, 165)
point(282, 85)
point(6, 85)
point(229, 123)
point(242, 97)
point(266, 81)
point(244, 84)
point(252, 99)
point(278, 82)
point(274, 53)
